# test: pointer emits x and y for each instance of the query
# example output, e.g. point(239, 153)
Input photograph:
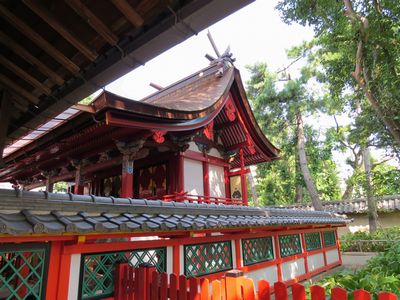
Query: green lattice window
point(257, 250)
point(203, 259)
point(97, 270)
point(22, 272)
point(313, 241)
point(329, 238)
point(289, 245)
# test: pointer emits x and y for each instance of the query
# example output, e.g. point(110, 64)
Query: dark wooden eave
point(55, 53)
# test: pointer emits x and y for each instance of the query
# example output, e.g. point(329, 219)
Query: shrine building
point(162, 181)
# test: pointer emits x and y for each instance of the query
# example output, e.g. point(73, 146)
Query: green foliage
point(60, 187)
point(382, 273)
point(349, 242)
point(275, 106)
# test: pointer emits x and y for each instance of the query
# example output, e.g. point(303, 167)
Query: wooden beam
point(20, 103)
point(86, 14)
point(19, 90)
point(127, 10)
point(61, 29)
point(25, 76)
point(38, 40)
point(18, 50)
point(84, 107)
point(4, 120)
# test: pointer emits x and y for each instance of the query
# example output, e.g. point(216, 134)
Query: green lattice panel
point(22, 273)
point(257, 250)
point(203, 259)
point(329, 238)
point(98, 269)
point(289, 245)
point(313, 241)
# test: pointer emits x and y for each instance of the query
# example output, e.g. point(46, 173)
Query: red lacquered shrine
point(161, 180)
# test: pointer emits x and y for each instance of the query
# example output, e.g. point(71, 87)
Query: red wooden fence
point(145, 283)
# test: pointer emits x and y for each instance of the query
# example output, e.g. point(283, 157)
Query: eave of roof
point(25, 213)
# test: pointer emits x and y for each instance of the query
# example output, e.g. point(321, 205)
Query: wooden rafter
point(17, 89)
point(20, 103)
point(86, 14)
point(38, 40)
point(5, 107)
point(22, 52)
point(24, 75)
point(127, 10)
point(64, 32)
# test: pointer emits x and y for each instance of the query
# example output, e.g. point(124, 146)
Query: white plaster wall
point(193, 181)
point(292, 269)
point(214, 152)
point(315, 261)
point(332, 256)
point(193, 147)
point(270, 274)
point(170, 259)
point(216, 179)
point(73, 287)
point(234, 266)
point(181, 260)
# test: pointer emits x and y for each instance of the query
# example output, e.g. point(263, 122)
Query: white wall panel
point(193, 147)
point(292, 269)
point(315, 261)
point(216, 179)
point(193, 176)
point(270, 274)
point(73, 287)
point(214, 152)
point(332, 256)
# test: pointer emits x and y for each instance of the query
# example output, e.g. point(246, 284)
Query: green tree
point(280, 112)
point(359, 49)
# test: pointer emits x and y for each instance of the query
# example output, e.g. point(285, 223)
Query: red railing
point(184, 196)
point(145, 283)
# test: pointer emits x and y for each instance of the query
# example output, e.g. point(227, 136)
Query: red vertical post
point(338, 246)
point(278, 257)
point(180, 186)
point(264, 290)
point(54, 270)
point(303, 243)
point(338, 293)
point(233, 284)
point(164, 286)
point(386, 296)
point(317, 292)
point(206, 181)
point(79, 180)
point(324, 248)
point(227, 183)
point(173, 287)
point(127, 177)
point(205, 289)
point(280, 290)
point(298, 292)
point(176, 266)
point(362, 295)
point(248, 289)
point(243, 182)
point(63, 280)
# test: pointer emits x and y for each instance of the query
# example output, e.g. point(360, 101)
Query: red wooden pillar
point(176, 266)
point(127, 177)
point(180, 185)
point(63, 280)
point(338, 246)
point(245, 198)
point(278, 257)
point(206, 181)
point(303, 243)
point(54, 270)
point(79, 180)
point(324, 248)
point(227, 183)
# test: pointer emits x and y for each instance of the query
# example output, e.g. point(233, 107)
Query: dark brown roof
point(356, 206)
point(55, 53)
point(24, 213)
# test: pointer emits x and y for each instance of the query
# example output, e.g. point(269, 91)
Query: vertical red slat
point(217, 290)
point(173, 287)
point(149, 278)
point(317, 292)
point(154, 291)
point(264, 290)
point(118, 281)
point(205, 289)
point(280, 290)
point(164, 286)
point(194, 289)
point(386, 296)
point(130, 283)
point(362, 295)
point(339, 294)
point(140, 284)
point(298, 292)
point(248, 289)
point(137, 283)
point(182, 293)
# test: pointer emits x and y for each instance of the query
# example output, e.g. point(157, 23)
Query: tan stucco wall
point(360, 222)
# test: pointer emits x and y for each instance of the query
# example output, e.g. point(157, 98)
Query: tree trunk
point(316, 202)
point(372, 213)
point(299, 193)
point(348, 193)
point(253, 189)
